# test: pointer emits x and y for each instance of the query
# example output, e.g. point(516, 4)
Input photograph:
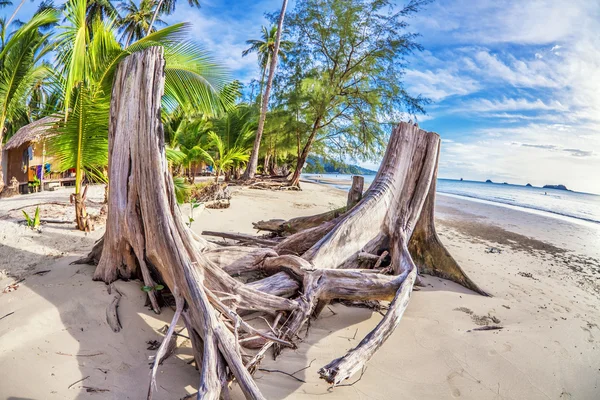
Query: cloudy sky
point(515, 85)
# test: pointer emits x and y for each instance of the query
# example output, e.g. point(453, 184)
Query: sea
point(565, 203)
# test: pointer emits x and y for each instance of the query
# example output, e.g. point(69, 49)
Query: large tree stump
point(286, 283)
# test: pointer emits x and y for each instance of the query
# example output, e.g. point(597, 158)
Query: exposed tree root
point(358, 255)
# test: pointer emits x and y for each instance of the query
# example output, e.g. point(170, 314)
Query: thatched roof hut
point(24, 155)
point(32, 132)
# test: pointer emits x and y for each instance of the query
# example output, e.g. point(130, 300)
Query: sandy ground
point(544, 280)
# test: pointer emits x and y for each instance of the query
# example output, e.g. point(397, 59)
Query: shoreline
point(345, 185)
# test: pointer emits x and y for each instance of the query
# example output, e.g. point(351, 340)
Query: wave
point(522, 205)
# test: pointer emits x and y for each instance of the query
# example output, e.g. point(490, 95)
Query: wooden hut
point(28, 161)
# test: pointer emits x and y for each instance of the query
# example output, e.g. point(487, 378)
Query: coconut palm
point(87, 62)
point(20, 68)
point(100, 9)
point(167, 7)
point(135, 22)
point(222, 158)
point(252, 164)
point(264, 49)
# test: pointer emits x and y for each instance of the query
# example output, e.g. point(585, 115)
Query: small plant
point(152, 288)
point(34, 185)
point(35, 222)
point(193, 205)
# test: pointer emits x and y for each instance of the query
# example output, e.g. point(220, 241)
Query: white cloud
point(534, 153)
point(510, 21)
point(439, 84)
point(509, 104)
point(225, 35)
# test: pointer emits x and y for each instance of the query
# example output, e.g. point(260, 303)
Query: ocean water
point(582, 206)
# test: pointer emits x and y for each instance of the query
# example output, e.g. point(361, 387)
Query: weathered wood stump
point(287, 281)
point(356, 191)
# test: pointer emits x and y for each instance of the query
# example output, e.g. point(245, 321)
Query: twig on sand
point(42, 272)
point(76, 382)
point(90, 389)
point(292, 375)
point(487, 328)
point(307, 367)
point(10, 313)
point(282, 372)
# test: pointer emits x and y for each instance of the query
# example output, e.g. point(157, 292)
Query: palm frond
point(182, 189)
point(82, 140)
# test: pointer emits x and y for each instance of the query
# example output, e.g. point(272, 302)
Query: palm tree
point(264, 49)
point(135, 22)
point(20, 69)
point(222, 157)
point(252, 164)
point(167, 7)
point(236, 129)
point(100, 9)
point(87, 62)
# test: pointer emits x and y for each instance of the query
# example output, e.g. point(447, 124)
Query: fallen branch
point(487, 328)
point(241, 237)
point(112, 317)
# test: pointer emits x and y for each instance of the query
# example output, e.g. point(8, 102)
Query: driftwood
point(356, 191)
point(112, 316)
point(286, 283)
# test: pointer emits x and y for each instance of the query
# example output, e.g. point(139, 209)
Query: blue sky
point(515, 85)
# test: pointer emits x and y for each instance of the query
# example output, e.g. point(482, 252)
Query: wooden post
point(356, 191)
point(43, 165)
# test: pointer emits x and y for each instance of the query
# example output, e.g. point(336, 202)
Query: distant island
point(558, 187)
point(488, 181)
point(319, 165)
point(528, 185)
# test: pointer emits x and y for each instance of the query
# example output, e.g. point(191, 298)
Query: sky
point(514, 85)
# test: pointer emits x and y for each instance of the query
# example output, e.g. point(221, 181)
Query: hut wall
point(15, 164)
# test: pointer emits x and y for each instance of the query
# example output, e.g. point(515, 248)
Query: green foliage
point(152, 288)
point(221, 157)
point(86, 64)
point(345, 73)
point(193, 205)
point(319, 165)
point(21, 68)
point(182, 189)
point(136, 19)
point(33, 223)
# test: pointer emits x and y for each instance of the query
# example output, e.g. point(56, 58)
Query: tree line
point(331, 84)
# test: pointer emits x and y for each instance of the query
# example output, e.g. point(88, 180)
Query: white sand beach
point(543, 273)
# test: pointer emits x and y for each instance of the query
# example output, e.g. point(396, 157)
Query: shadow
point(55, 341)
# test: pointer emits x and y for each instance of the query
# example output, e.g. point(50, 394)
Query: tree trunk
point(429, 253)
point(356, 191)
point(82, 218)
point(266, 164)
point(156, 11)
point(295, 180)
point(145, 234)
point(1, 171)
point(253, 162)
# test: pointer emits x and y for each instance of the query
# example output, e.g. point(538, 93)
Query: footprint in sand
point(453, 389)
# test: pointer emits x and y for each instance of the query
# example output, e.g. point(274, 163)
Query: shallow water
point(583, 206)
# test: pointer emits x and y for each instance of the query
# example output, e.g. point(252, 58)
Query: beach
point(543, 272)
